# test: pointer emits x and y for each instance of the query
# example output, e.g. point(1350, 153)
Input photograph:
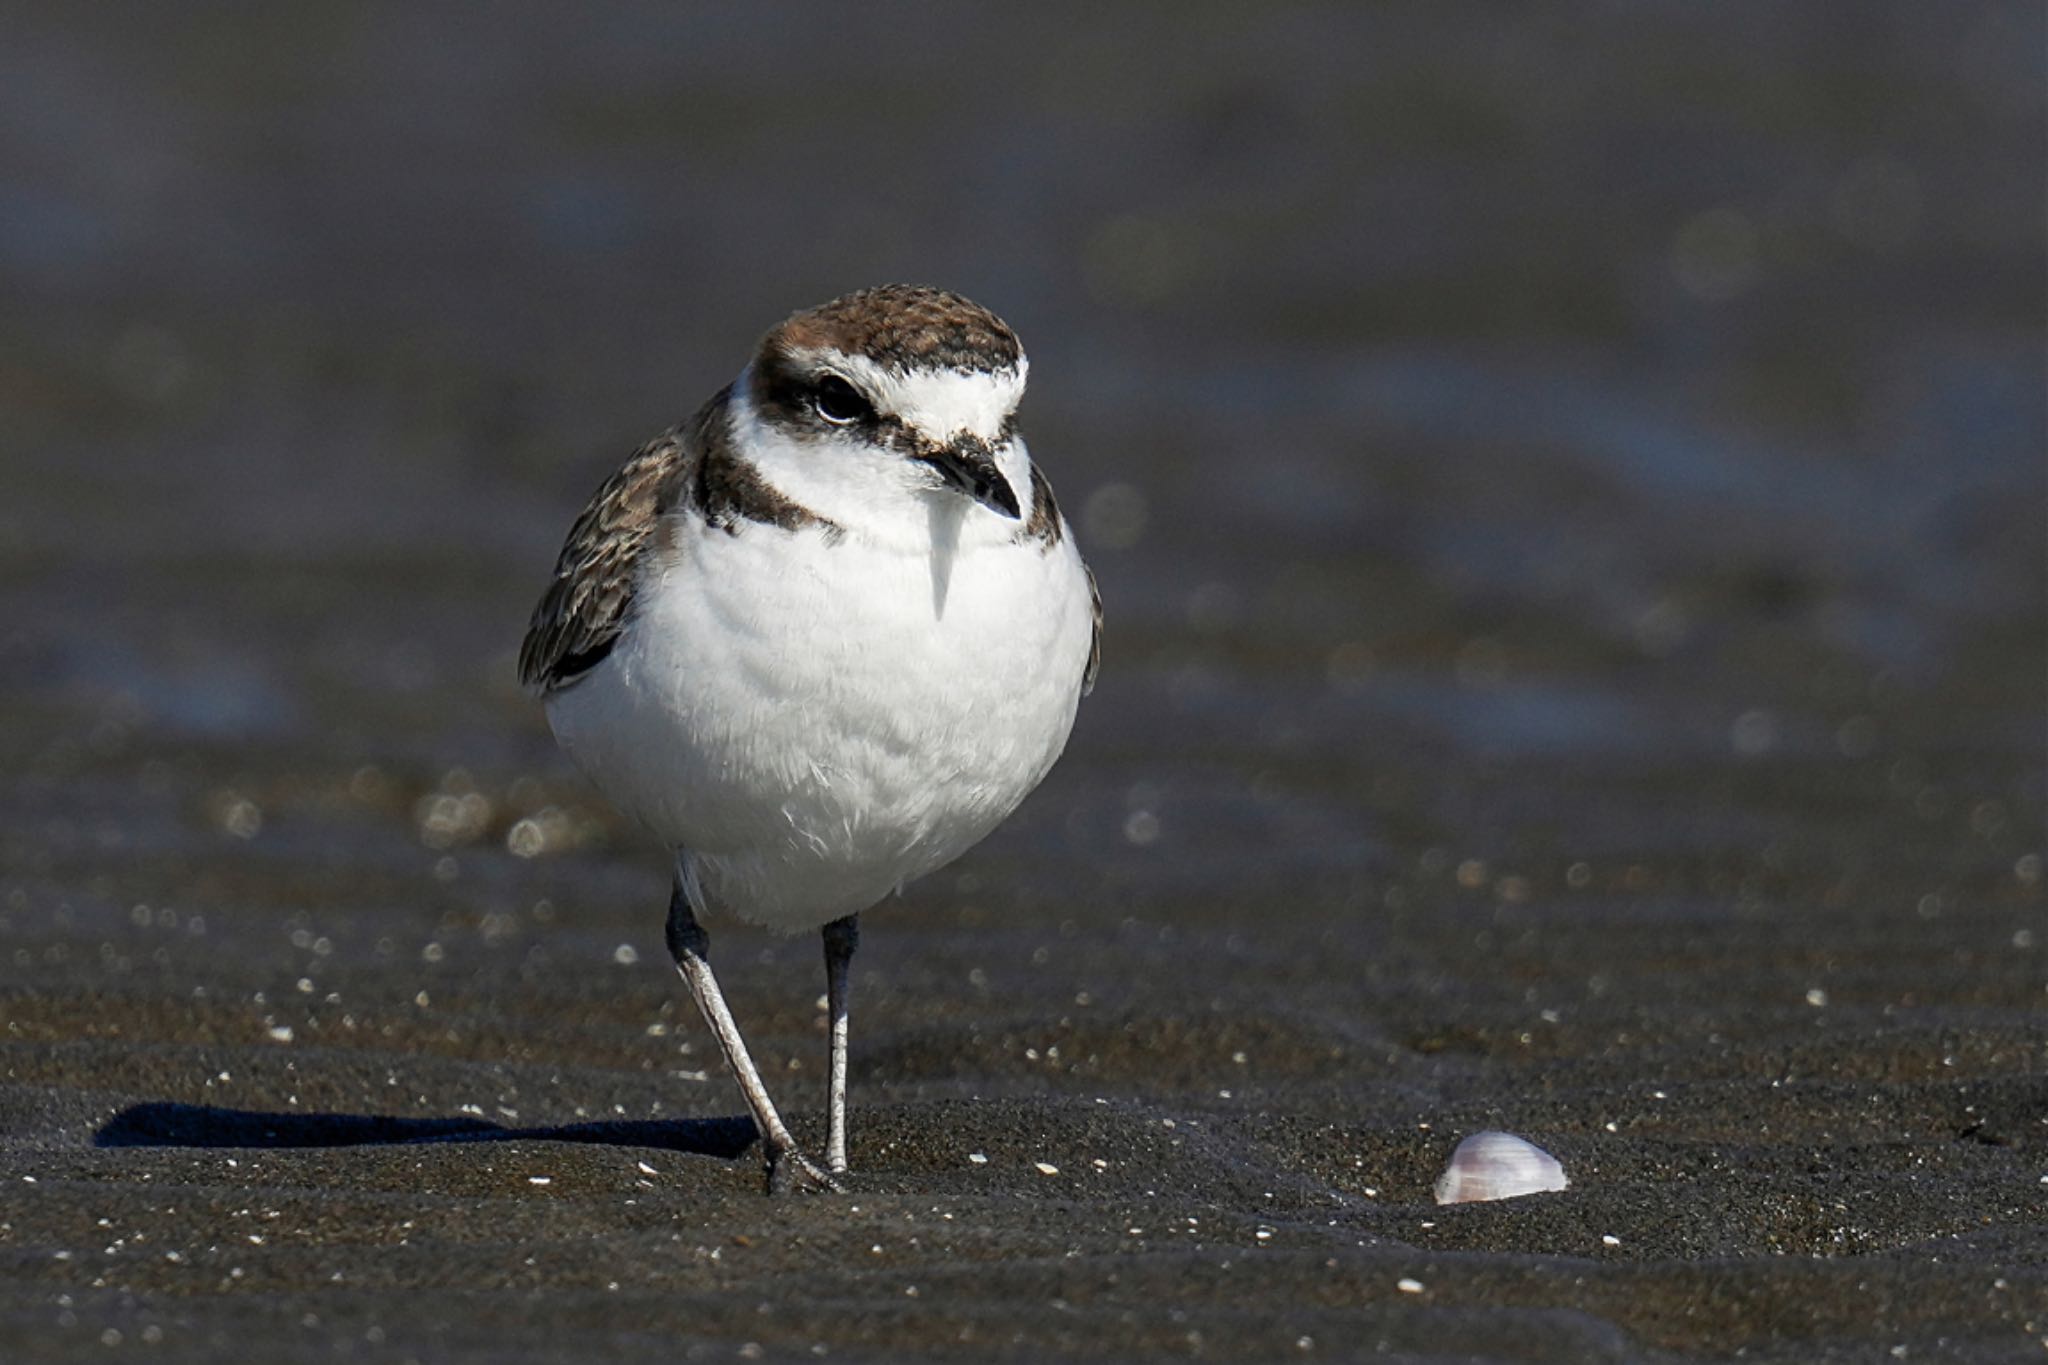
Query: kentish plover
point(822, 637)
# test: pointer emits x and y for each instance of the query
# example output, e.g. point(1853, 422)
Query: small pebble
point(1046, 1168)
point(1408, 1286)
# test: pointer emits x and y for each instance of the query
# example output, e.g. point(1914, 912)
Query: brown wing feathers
point(586, 603)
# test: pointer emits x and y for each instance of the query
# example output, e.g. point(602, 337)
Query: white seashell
point(1497, 1166)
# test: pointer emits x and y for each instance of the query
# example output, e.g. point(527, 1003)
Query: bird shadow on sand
point(164, 1124)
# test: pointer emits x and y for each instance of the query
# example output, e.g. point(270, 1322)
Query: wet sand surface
point(1568, 492)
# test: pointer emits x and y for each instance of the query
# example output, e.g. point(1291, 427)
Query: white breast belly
point(814, 722)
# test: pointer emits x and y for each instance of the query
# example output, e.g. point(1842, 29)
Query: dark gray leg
point(690, 946)
point(842, 936)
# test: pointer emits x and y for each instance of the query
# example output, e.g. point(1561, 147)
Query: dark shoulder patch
point(727, 490)
point(1044, 525)
point(1048, 529)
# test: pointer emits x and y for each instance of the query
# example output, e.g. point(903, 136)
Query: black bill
point(969, 465)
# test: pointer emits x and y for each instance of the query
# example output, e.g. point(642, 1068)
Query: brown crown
point(905, 327)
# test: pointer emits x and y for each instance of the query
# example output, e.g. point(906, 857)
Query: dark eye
point(839, 402)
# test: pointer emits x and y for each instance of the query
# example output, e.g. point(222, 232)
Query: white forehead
point(939, 403)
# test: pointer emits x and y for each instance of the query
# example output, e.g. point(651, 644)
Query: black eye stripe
point(785, 393)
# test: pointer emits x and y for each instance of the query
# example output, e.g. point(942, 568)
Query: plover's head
point(886, 404)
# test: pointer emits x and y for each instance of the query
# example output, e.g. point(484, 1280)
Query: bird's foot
point(789, 1169)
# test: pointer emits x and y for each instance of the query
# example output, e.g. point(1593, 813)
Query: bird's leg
point(690, 946)
point(842, 936)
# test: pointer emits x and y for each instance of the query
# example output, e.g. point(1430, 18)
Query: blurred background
point(1567, 484)
point(1608, 436)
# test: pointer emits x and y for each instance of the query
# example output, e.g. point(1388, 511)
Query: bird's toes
point(791, 1170)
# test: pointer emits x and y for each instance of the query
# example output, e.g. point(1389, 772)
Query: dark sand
point(1569, 496)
